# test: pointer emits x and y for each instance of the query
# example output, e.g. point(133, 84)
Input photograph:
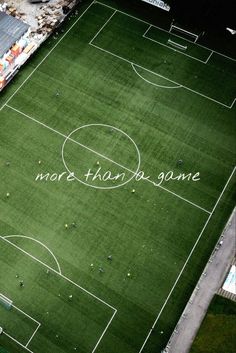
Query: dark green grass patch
point(162, 37)
point(66, 322)
point(149, 232)
point(123, 36)
point(17, 324)
point(217, 333)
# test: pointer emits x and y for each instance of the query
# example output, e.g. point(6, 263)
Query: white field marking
point(32, 319)
point(99, 31)
point(184, 31)
point(181, 52)
point(233, 103)
point(70, 139)
point(32, 336)
point(154, 73)
point(67, 279)
point(152, 83)
point(25, 314)
point(146, 37)
point(164, 30)
point(59, 274)
point(147, 30)
point(39, 242)
point(188, 258)
point(209, 57)
point(20, 344)
point(169, 47)
point(36, 68)
point(114, 128)
point(98, 342)
point(182, 198)
point(177, 45)
point(120, 165)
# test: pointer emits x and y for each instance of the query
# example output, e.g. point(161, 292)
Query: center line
point(105, 157)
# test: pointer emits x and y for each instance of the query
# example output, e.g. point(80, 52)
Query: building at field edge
point(13, 33)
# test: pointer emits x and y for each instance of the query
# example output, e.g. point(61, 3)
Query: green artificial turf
point(217, 332)
point(151, 232)
point(160, 37)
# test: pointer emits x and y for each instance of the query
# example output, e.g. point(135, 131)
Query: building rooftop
point(11, 30)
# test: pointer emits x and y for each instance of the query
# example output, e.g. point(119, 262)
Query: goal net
point(177, 45)
point(184, 33)
point(5, 302)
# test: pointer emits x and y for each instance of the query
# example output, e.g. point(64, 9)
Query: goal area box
point(184, 33)
point(5, 302)
point(177, 45)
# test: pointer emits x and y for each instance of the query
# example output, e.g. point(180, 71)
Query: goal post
point(185, 34)
point(5, 302)
point(177, 45)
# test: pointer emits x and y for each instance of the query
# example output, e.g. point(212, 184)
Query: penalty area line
point(33, 335)
point(16, 341)
point(29, 317)
point(39, 242)
point(169, 47)
point(104, 332)
point(152, 83)
point(99, 31)
point(162, 29)
point(59, 274)
point(155, 73)
point(68, 280)
point(25, 314)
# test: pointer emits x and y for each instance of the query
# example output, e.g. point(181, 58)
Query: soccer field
point(107, 261)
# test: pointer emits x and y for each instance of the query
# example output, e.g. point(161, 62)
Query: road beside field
point(208, 285)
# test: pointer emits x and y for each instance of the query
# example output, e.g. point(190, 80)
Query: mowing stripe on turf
point(32, 336)
point(154, 73)
point(186, 262)
point(164, 30)
point(107, 158)
point(53, 270)
point(152, 83)
point(65, 278)
point(20, 344)
point(110, 321)
point(39, 242)
point(120, 57)
point(174, 49)
point(103, 27)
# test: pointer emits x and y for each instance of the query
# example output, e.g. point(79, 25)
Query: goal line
point(177, 45)
point(5, 302)
point(176, 29)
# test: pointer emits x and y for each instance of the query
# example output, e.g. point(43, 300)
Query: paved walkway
point(208, 285)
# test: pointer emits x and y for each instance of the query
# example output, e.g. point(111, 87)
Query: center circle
point(93, 144)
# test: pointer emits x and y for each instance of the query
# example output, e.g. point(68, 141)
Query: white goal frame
point(177, 45)
point(190, 34)
point(37, 324)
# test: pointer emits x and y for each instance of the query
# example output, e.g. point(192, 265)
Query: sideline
point(207, 286)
